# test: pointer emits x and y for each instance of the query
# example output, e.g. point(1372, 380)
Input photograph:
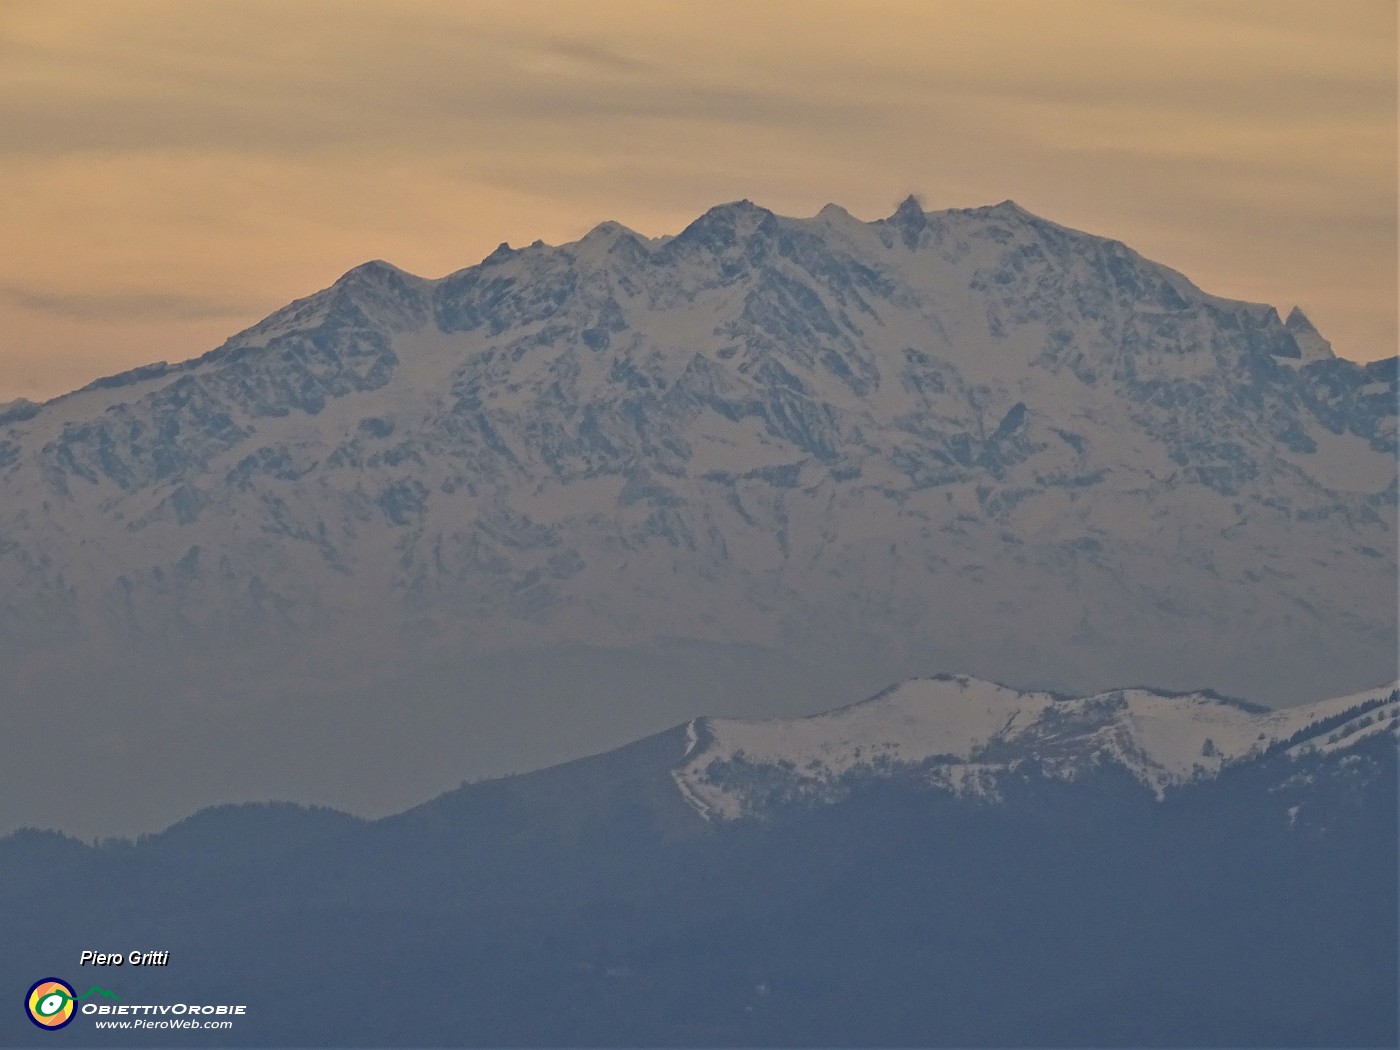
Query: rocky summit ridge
point(969, 440)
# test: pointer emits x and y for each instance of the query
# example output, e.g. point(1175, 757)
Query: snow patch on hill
point(962, 732)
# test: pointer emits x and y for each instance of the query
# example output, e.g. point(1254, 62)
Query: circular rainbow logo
point(50, 1003)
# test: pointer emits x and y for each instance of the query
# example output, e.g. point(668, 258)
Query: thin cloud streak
point(123, 306)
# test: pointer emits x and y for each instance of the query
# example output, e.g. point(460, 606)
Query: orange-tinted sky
point(172, 171)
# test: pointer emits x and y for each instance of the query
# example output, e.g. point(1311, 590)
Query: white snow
point(970, 730)
point(1022, 569)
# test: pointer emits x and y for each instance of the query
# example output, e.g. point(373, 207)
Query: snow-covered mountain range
point(962, 735)
point(965, 440)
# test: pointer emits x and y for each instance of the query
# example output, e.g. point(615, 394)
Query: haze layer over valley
point(575, 494)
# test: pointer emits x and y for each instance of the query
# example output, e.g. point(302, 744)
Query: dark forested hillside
point(581, 907)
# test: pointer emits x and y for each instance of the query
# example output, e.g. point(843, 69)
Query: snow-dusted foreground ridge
point(960, 733)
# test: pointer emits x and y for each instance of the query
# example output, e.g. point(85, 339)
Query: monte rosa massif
point(793, 459)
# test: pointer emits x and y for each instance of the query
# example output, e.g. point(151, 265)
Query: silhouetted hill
point(597, 904)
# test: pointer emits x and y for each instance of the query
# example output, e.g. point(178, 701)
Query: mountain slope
point(965, 439)
point(965, 735)
point(1251, 905)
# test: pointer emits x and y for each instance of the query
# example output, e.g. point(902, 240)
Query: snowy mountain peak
point(375, 270)
point(1311, 344)
point(910, 211)
point(501, 253)
point(1010, 207)
point(607, 232)
point(610, 241)
point(726, 225)
point(962, 437)
point(962, 734)
point(386, 295)
point(909, 219)
point(910, 208)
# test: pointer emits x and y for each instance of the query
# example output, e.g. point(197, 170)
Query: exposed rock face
point(972, 441)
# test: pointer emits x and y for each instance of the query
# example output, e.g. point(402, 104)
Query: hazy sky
point(171, 172)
